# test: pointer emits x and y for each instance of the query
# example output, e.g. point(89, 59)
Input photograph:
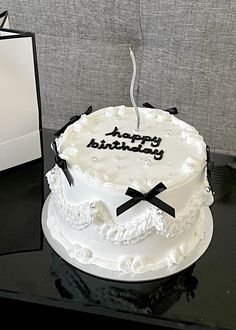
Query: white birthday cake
point(125, 200)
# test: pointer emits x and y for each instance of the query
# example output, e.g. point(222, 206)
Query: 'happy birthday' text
point(154, 141)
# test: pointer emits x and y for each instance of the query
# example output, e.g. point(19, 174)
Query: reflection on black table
point(21, 198)
point(153, 297)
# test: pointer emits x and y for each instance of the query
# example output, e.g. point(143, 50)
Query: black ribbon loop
point(210, 166)
point(3, 16)
point(72, 121)
point(62, 164)
point(172, 111)
point(150, 197)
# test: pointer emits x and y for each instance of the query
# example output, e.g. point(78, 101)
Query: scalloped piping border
point(126, 264)
point(136, 230)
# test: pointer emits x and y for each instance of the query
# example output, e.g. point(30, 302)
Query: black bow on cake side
point(72, 121)
point(172, 111)
point(210, 166)
point(62, 164)
point(150, 197)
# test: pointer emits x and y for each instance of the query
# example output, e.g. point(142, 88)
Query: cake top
point(103, 148)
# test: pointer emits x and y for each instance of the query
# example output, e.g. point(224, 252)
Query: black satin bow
point(3, 16)
point(72, 120)
point(210, 166)
point(62, 164)
point(137, 197)
point(172, 111)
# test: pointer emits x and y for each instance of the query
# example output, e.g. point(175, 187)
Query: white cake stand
point(118, 276)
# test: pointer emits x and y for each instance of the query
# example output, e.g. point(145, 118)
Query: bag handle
point(4, 19)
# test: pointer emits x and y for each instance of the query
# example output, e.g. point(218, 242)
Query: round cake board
point(127, 277)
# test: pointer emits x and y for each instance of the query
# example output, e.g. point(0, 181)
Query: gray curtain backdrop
point(185, 52)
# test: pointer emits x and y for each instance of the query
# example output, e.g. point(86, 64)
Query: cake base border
point(131, 277)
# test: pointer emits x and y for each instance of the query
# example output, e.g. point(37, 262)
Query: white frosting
point(153, 253)
point(184, 149)
point(83, 217)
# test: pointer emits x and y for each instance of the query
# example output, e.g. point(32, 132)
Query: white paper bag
point(20, 115)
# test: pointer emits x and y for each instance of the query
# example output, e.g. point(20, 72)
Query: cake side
point(84, 239)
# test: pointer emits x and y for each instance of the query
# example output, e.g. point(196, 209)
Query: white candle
point(132, 89)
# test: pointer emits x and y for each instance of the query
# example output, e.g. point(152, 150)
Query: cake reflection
point(153, 297)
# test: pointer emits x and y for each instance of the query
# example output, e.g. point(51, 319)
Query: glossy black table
point(202, 296)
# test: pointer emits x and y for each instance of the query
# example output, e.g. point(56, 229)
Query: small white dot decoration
point(191, 161)
point(110, 112)
point(151, 113)
point(147, 163)
point(159, 118)
point(121, 110)
point(94, 159)
point(70, 152)
point(187, 168)
point(77, 127)
point(83, 119)
point(73, 152)
point(208, 189)
point(96, 120)
point(92, 205)
point(117, 157)
point(168, 132)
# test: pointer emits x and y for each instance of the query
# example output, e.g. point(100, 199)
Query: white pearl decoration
point(92, 205)
point(94, 159)
point(147, 163)
point(168, 132)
